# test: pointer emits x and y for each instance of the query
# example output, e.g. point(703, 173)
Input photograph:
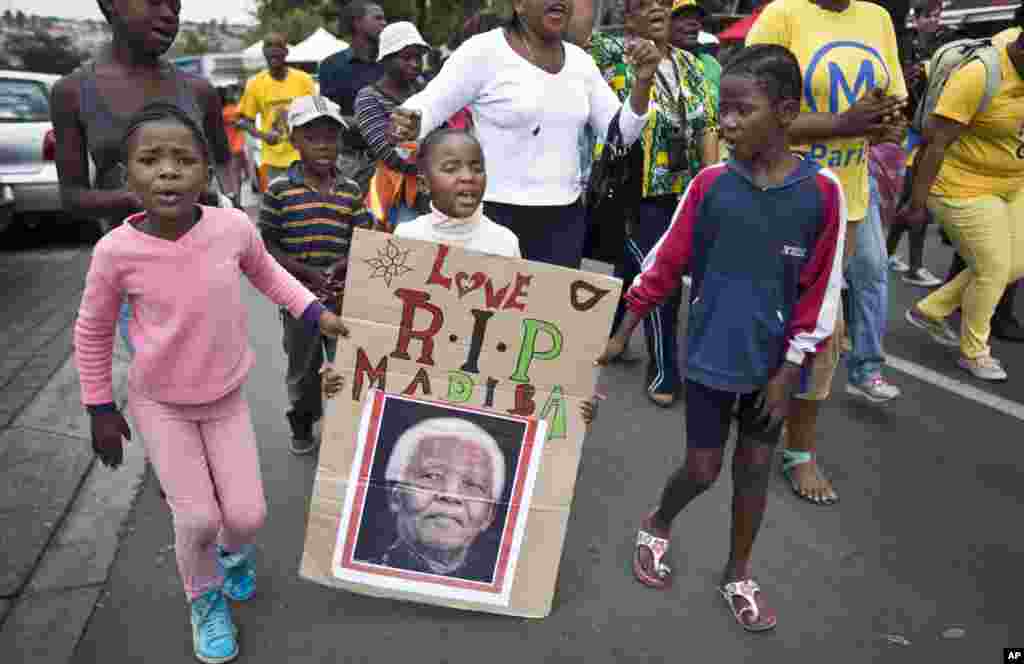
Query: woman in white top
point(531, 94)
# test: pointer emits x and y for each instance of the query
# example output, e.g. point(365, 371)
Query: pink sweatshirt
point(189, 324)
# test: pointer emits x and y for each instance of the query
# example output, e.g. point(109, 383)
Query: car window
point(23, 101)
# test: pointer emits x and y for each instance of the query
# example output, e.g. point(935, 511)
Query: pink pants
point(207, 461)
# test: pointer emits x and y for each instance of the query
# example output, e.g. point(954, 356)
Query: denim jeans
point(122, 324)
point(867, 278)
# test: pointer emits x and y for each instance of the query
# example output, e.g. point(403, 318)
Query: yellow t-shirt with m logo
point(842, 55)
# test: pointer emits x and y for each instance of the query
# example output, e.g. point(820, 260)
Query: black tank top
point(104, 128)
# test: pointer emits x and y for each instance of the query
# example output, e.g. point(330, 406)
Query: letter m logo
point(833, 64)
point(865, 79)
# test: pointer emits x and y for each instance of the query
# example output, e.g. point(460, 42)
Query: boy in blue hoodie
point(762, 236)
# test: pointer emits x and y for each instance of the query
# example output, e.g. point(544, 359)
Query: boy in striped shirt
point(307, 219)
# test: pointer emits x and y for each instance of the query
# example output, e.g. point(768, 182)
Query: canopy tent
point(316, 47)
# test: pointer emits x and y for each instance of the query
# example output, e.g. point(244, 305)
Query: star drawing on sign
point(389, 263)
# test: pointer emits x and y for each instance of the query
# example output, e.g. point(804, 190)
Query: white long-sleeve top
point(475, 232)
point(528, 120)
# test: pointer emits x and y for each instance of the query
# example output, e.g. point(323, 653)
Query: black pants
point(653, 217)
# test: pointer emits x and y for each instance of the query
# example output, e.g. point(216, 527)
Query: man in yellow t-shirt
point(853, 91)
point(268, 96)
point(970, 175)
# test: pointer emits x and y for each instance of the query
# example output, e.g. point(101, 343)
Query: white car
point(28, 172)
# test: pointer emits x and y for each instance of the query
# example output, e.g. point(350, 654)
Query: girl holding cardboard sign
point(452, 162)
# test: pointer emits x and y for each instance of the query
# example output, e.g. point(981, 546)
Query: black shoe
point(302, 434)
point(1008, 329)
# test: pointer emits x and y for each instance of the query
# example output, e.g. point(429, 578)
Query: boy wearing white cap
point(307, 218)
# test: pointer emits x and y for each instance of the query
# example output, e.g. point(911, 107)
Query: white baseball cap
point(304, 110)
point(396, 36)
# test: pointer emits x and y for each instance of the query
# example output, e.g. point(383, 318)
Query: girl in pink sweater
point(179, 264)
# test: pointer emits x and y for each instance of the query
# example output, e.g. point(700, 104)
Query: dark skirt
point(547, 233)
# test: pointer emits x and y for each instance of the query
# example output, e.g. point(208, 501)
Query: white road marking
point(1005, 406)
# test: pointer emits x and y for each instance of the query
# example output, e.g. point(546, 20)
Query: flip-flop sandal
point(658, 547)
point(790, 460)
point(746, 590)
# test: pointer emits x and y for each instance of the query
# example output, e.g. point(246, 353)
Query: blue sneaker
point(213, 631)
point(239, 573)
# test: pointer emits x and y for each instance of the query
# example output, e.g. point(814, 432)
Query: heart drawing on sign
point(467, 284)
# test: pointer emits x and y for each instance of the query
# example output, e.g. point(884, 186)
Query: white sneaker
point(876, 389)
point(897, 264)
point(922, 277)
point(985, 367)
point(688, 281)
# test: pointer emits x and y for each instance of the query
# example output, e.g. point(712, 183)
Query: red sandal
point(760, 619)
point(658, 547)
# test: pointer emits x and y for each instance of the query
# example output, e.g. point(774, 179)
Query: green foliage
point(443, 18)
point(296, 24)
point(300, 18)
point(192, 43)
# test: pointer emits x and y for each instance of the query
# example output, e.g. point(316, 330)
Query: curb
point(45, 622)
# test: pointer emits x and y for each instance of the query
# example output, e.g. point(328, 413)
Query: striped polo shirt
point(312, 227)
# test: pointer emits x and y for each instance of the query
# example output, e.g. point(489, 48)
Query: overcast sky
point(191, 10)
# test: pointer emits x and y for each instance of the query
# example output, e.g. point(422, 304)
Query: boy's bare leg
point(801, 436)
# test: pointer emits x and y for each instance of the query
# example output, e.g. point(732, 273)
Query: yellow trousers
point(988, 231)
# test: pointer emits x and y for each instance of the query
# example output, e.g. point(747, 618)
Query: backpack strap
point(993, 75)
point(950, 58)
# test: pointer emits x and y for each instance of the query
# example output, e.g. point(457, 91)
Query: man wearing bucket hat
point(392, 192)
point(687, 33)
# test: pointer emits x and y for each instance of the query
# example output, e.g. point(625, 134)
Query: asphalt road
point(922, 542)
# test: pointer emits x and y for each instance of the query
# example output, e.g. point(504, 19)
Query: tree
point(8, 17)
point(298, 19)
point(19, 19)
point(43, 53)
point(295, 24)
point(192, 43)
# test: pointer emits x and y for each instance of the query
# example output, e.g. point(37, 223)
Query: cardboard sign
point(442, 333)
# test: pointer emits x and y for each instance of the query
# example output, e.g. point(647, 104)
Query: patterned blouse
point(681, 91)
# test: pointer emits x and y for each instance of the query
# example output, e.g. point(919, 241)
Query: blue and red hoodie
point(766, 264)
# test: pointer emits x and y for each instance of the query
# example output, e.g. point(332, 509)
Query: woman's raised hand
point(405, 125)
point(644, 56)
